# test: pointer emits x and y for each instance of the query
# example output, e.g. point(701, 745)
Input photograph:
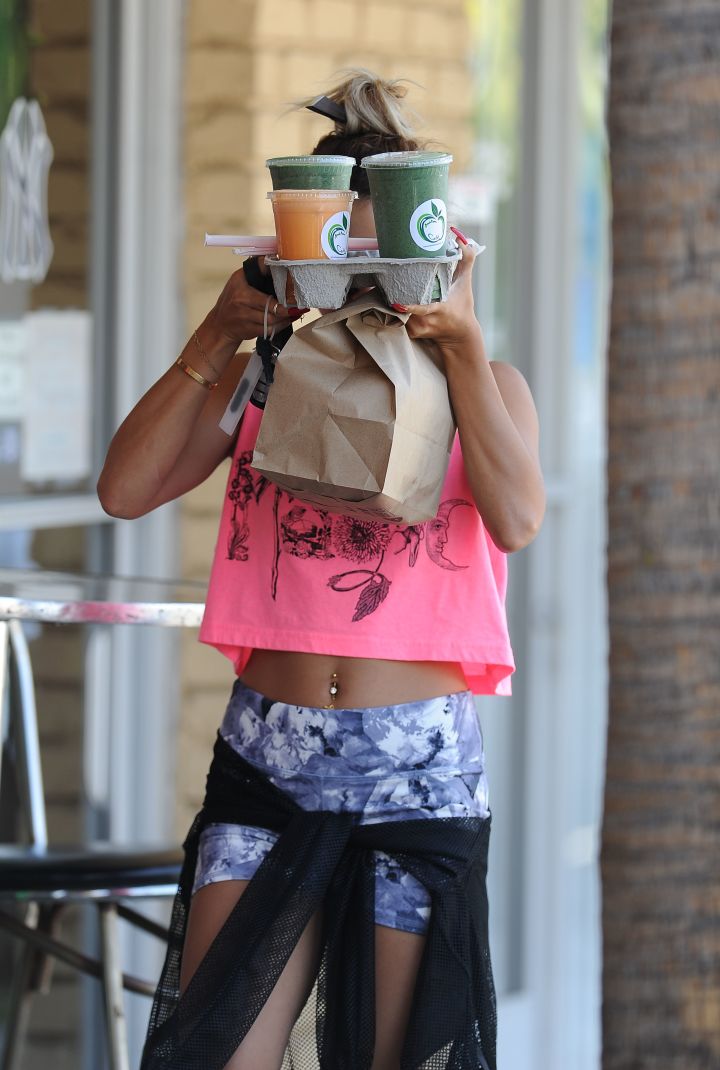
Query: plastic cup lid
point(309, 161)
point(417, 158)
point(310, 194)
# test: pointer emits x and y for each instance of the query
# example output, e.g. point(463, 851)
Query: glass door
point(52, 419)
point(77, 348)
point(536, 198)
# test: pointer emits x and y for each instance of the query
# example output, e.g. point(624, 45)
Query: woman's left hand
point(494, 411)
point(451, 323)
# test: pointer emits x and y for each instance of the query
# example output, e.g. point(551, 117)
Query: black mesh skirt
point(324, 860)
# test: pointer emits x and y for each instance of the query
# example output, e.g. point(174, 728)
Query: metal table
point(29, 595)
point(69, 598)
point(74, 598)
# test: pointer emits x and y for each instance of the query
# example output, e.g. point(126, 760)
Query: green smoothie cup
point(311, 172)
point(409, 194)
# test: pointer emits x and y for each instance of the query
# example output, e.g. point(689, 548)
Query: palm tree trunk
point(660, 857)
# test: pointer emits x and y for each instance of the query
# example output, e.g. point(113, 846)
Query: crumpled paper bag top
point(358, 419)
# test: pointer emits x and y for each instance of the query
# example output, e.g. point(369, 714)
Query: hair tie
point(324, 106)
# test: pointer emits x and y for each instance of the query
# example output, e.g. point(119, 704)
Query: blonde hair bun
point(372, 105)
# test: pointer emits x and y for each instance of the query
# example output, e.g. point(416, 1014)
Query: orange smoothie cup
point(312, 224)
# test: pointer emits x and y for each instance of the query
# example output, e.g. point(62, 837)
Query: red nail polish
point(459, 235)
point(400, 308)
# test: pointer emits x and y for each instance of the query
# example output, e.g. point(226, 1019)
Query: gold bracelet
point(183, 366)
point(204, 355)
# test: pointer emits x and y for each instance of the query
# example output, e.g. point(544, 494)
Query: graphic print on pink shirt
point(288, 575)
point(305, 531)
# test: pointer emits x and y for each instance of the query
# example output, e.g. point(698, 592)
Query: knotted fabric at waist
point(324, 861)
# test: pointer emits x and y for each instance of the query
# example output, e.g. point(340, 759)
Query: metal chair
point(38, 881)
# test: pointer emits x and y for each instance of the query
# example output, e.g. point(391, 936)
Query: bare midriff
point(350, 683)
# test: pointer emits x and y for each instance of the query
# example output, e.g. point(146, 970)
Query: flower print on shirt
point(307, 532)
point(360, 540)
point(245, 486)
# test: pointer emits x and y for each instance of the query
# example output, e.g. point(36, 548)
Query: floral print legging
point(387, 763)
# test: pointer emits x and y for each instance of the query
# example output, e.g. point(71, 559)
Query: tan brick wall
point(243, 63)
point(60, 78)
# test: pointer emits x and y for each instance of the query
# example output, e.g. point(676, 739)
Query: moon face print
point(437, 532)
point(358, 548)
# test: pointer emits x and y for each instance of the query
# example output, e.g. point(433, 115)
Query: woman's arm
point(171, 441)
point(495, 414)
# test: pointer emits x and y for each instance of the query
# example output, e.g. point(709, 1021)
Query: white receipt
point(243, 392)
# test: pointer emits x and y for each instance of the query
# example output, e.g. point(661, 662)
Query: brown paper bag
point(358, 420)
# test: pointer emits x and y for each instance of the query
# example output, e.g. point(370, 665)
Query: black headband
point(324, 106)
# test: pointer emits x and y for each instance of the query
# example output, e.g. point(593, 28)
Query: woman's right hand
point(171, 441)
point(239, 312)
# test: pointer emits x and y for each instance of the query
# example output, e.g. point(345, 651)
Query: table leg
point(28, 732)
point(113, 988)
point(20, 1000)
point(4, 683)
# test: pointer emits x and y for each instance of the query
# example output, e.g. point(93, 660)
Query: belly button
point(333, 688)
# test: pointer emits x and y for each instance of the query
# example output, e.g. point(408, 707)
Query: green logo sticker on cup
point(334, 238)
point(428, 225)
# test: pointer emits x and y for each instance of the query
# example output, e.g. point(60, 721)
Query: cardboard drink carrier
point(358, 420)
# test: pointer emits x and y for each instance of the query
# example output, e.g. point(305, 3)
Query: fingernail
point(459, 234)
point(400, 308)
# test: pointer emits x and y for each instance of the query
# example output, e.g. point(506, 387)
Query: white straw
point(267, 243)
point(231, 240)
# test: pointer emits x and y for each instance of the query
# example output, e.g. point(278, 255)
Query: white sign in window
point(56, 424)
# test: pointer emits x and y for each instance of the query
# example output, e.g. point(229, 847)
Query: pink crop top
point(289, 576)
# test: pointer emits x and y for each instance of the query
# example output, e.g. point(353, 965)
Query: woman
point(355, 645)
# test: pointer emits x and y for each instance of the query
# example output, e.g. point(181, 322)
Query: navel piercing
point(333, 689)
